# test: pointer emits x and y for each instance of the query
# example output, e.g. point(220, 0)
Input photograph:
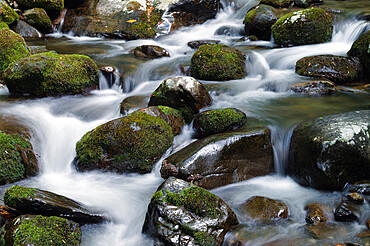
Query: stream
point(57, 124)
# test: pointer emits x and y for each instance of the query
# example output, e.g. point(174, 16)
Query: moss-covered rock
point(339, 69)
point(12, 47)
point(218, 62)
point(306, 26)
point(39, 230)
point(259, 20)
point(276, 3)
point(264, 208)
point(150, 51)
point(38, 18)
point(185, 94)
point(361, 49)
point(48, 5)
point(219, 120)
point(317, 87)
point(50, 74)
point(3, 25)
point(174, 202)
point(129, 144)
point(7, 14)
point(306, 3)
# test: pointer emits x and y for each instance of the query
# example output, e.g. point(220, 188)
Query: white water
point(58, 123)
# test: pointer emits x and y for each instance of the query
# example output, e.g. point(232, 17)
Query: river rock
point(40, 230)
point(185, 94)
point(48, 5)
point(222, 159)
point(12, 47)
point(360, 49)
point(26, 30)
point(331, 151)
point(306, 26)
point(259, 21)
point(131, 144)
point(347, 211)
point(133, 102)
point(172, 116)
point(355, 198)
point(317, 87)
point(56, 75)
point(216, 121)
point(315, 214)
point(264, 208)
point(7, 14)
point(306, 3)
point(39, 19)
point(218, 62)
point(150, 51)
point(34, 201)
point(339, 69)
point(182, 214)
point(231, 31)
point(276, 3)
point(198, 43)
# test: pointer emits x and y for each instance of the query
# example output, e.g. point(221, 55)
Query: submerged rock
point(216, 121)
point(185, 94)
point(264, 208)
point(7, 14)
point(222, 159)
point(306, 26)
point(56, 75)
point(339, 69)
point(39, 19)
point(197, 44)
point(150, 51)
point(182, 214)
point(218, 62)
point(360, 49)
point(133, 102)
point(331, 151)
point(34, 201)
point(26, 30)
point(230, 31)
point(39, 230)
point(315, 87)
point(259, 21)
point(129, 144)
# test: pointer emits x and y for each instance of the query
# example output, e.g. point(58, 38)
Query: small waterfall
point(58, 22)
point(110, 78)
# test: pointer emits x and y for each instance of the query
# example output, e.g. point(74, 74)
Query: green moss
point(218, 62)
point(361, 49)
point(250, 16)
point(3, 25)
point(276, 3)
point(142, 30)
point(46, 231)
point(197, 200)
point(7, 14)
point(14, 195)
point(39, 19)
point(156, 196)
point(48, 5)
point(306, 26)
point(170, 111)
point(12, 47)
point(204, 239)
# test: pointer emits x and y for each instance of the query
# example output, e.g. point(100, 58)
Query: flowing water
point(58, 123)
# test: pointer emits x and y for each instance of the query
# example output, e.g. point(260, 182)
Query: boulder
point(306, 3)
point(7, 14)
point(259, 21)
point(317, 87)
point(331, 151)
point(172, 116)
point(347, 211)
point(133, 102)
point(56, 75)
point(150, 51)
point(222, 159)
point(34, 201)
point(26, 30)
point(218, 62)
point(48, 5)
point(216, 121)
point(12, 47)
point(360, 49)
point(129, 144)
point(198, 43)
point(39, 19)
point(39, 230)
point(315, 214)
point(339, 69)
point(185, 94)
point(264, 208)
point(306, 26)
point(182, 214)
point(276, 3)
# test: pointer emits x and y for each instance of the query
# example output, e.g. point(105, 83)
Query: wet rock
point(331, 151)
point(7, 14)
point(222, 159)
point(185, 94)
point(34, 201)
point(41, 230)
point(48, 5)
point(182, 214)
point(133, 102)
point(259, 21)
point(315, 214)
point(368, 224)
point(264, 208)
point(317, 87)
point(230, 31)
point(150, 51)
point(190, 12)
point(306, 26)
point(306, 3)
point(172, 116)
point(360, 49)
point(347, 211)
point(326, 230)
point(39, 19)
point(185, 70)
point(12, 47)
point(276, 3)
point(198, 43)
point(216, 121)
point(339, 69)
point(26, 30)
point(131, 144)
point(218, 62)
point(355, 198)
point(56, 75)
